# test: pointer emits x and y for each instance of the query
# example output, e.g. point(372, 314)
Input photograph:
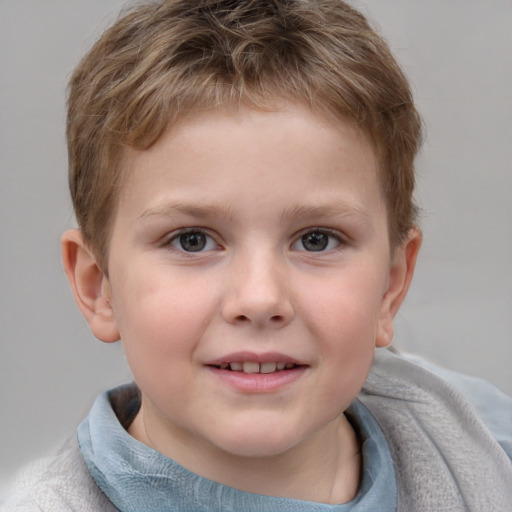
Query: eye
point(317, 240)
point(192, 240)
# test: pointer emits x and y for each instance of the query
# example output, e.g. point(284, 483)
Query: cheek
point(343, 318)
point(160, 317)
point(346, 309)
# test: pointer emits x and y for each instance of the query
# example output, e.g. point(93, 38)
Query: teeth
point(251, 367)
point(255, 367)
point(268, 367)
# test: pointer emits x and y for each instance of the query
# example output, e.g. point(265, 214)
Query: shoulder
point(405, 380)
point(449, 435)
point(491, 405)
point(60, 483)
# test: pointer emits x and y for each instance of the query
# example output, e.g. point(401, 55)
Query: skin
point(255, 187)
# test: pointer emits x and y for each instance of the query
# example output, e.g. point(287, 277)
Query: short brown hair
point(163, 59)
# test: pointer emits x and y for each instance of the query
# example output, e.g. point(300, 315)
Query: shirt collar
point(135, 477)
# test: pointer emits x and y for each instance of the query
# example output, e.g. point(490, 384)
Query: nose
point(258, 293)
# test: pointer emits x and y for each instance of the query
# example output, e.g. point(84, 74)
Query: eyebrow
point(172, 208)
point(335, 209)
point(297, 212)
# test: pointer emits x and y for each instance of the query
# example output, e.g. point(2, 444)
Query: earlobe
point(90, 286)
point(400, 277)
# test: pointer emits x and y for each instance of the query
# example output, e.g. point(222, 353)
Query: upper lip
point(266, 357)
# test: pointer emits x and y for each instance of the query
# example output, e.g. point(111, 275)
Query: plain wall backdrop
point(458, 55)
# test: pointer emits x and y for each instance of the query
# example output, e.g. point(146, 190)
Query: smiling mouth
point(255, 367)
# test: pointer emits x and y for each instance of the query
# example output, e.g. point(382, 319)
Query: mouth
point(253, 373)
point(256, 367)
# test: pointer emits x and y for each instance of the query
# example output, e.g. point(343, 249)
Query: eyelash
point(176, 236)
point(331, 235)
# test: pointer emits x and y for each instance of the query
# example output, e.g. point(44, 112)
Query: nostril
point(273, 319)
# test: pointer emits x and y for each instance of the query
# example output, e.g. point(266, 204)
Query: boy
point(242, 175)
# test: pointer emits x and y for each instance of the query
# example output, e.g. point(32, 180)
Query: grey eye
point(317, 241)
point(193, 241)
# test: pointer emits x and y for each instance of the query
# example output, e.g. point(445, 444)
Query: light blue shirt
point(136, 477)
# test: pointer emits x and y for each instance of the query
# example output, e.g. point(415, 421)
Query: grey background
point(458, 56)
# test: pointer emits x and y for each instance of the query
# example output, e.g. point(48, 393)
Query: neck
point(325, 468)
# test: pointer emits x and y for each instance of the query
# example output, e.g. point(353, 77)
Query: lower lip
point(258, 382)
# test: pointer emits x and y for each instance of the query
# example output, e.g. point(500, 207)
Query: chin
point(258, 443)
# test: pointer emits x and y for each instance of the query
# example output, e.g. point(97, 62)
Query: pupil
point(193, 242)
point(315, 241)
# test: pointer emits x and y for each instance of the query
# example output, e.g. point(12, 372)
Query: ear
point(400, 276)
point(90, 286)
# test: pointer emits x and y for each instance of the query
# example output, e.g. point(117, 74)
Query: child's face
point(250, 238)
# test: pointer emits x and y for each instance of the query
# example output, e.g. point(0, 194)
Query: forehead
point(252, 154)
